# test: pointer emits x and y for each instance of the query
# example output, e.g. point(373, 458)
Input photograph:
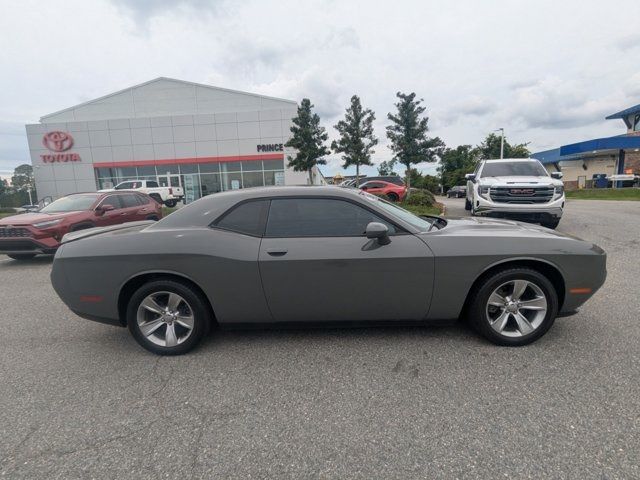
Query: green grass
point(605, 194)
point(2, 215)
point(422, 209)
point(166, 211)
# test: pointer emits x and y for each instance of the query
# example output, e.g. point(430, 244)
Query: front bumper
point(27, 245)
point(538, 211)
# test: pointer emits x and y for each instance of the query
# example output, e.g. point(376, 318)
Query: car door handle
point(277, 252)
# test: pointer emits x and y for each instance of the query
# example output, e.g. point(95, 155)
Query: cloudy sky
point(546, 71)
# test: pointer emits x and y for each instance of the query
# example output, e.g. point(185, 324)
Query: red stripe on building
point(182, 161)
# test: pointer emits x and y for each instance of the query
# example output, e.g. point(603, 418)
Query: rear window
point(248, 218)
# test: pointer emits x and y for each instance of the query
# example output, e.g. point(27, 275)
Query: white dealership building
point(205, 139)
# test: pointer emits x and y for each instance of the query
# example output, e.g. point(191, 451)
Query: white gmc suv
point(519, 188)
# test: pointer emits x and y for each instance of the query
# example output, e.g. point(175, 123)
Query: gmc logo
point(57, 141)
point(522, 191)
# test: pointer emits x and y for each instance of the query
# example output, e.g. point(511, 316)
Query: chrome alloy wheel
point(165, 318)
point(516, 308)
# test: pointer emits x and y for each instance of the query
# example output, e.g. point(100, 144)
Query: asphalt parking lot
point(82, 400)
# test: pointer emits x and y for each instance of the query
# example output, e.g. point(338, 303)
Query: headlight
point(47, 224)
point(559, 190)
point(483, 191)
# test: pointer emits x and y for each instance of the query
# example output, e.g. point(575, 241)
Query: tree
point(408, 134)
point(386, 168)
point(308, 139)
point(356, 140)
point(490, 148)
point(23, 177)
point(455, 163)
point(4, 185)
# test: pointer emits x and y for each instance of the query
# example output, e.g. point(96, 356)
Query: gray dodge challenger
point(326, 255)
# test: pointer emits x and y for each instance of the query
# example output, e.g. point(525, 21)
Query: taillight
point(171, 191)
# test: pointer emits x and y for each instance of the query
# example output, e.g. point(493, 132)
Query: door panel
point(346, 278)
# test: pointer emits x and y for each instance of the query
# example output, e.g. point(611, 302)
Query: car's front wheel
point(168, 317)
point(551, 223)
point(514, 306)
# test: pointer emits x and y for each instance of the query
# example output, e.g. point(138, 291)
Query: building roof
point(166, 96)
point(625, 113)
point(576, 151)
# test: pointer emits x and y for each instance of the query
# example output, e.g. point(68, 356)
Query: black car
point(459, 191)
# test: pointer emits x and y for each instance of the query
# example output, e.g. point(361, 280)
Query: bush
point(420, 197)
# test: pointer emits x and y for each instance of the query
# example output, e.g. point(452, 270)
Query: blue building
point(579, 162)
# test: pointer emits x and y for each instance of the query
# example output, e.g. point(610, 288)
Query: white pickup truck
point(170, 196)
point(519, 188)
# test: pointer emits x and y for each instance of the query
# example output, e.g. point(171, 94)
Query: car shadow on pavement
point(6, 262)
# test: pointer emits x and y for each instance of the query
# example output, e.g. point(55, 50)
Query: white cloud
point(479, 66)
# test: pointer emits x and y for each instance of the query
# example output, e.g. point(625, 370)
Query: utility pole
point(501, 141)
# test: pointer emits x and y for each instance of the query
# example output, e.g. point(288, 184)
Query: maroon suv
point(25, 235)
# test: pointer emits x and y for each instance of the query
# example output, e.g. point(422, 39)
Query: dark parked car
point(457, 192)
point(25, 235)
point(321, 254)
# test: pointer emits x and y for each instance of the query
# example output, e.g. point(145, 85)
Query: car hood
point(34, 217)
point(493, 227)
point(520, 180)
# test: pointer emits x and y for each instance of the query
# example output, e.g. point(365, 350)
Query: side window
point(112, 200)
point(142, 200)
point(128, 200)
point(152, 184)
point(124, 186)
point(248, 218)
point(319, 217)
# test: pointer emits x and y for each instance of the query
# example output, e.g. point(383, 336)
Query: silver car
point(321, 255)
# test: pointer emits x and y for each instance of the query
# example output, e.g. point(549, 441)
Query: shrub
point(7, 210)
point(420, 197)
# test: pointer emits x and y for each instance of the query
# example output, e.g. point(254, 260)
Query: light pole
point(501, 141)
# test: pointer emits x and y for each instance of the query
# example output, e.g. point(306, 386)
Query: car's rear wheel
point(171, 203)
point(392, 197)
point(551, 223)
point(21, 256)
point(167, 317)
point(513, 307)
point(467, 204)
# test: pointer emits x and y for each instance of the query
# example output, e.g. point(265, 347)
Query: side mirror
point(365, 188)
point(557, 175)
point(102, 209)
point(470, 176)
point(378, 231)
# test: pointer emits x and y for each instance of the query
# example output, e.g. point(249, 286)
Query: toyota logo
point(57, 141)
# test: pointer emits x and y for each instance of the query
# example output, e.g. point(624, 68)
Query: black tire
point(552, 224)
point(156, 197)
point(467, 204)
point(153, 217)
point(21, 256)
point(392, 197)
point(171, 203)
point(196, 303)
point(477, 313)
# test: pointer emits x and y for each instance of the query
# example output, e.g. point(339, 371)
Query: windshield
point(420, 223)
point(513, 169)
point(71, 204)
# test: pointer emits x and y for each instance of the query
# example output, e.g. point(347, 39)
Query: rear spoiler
point(90, 232)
